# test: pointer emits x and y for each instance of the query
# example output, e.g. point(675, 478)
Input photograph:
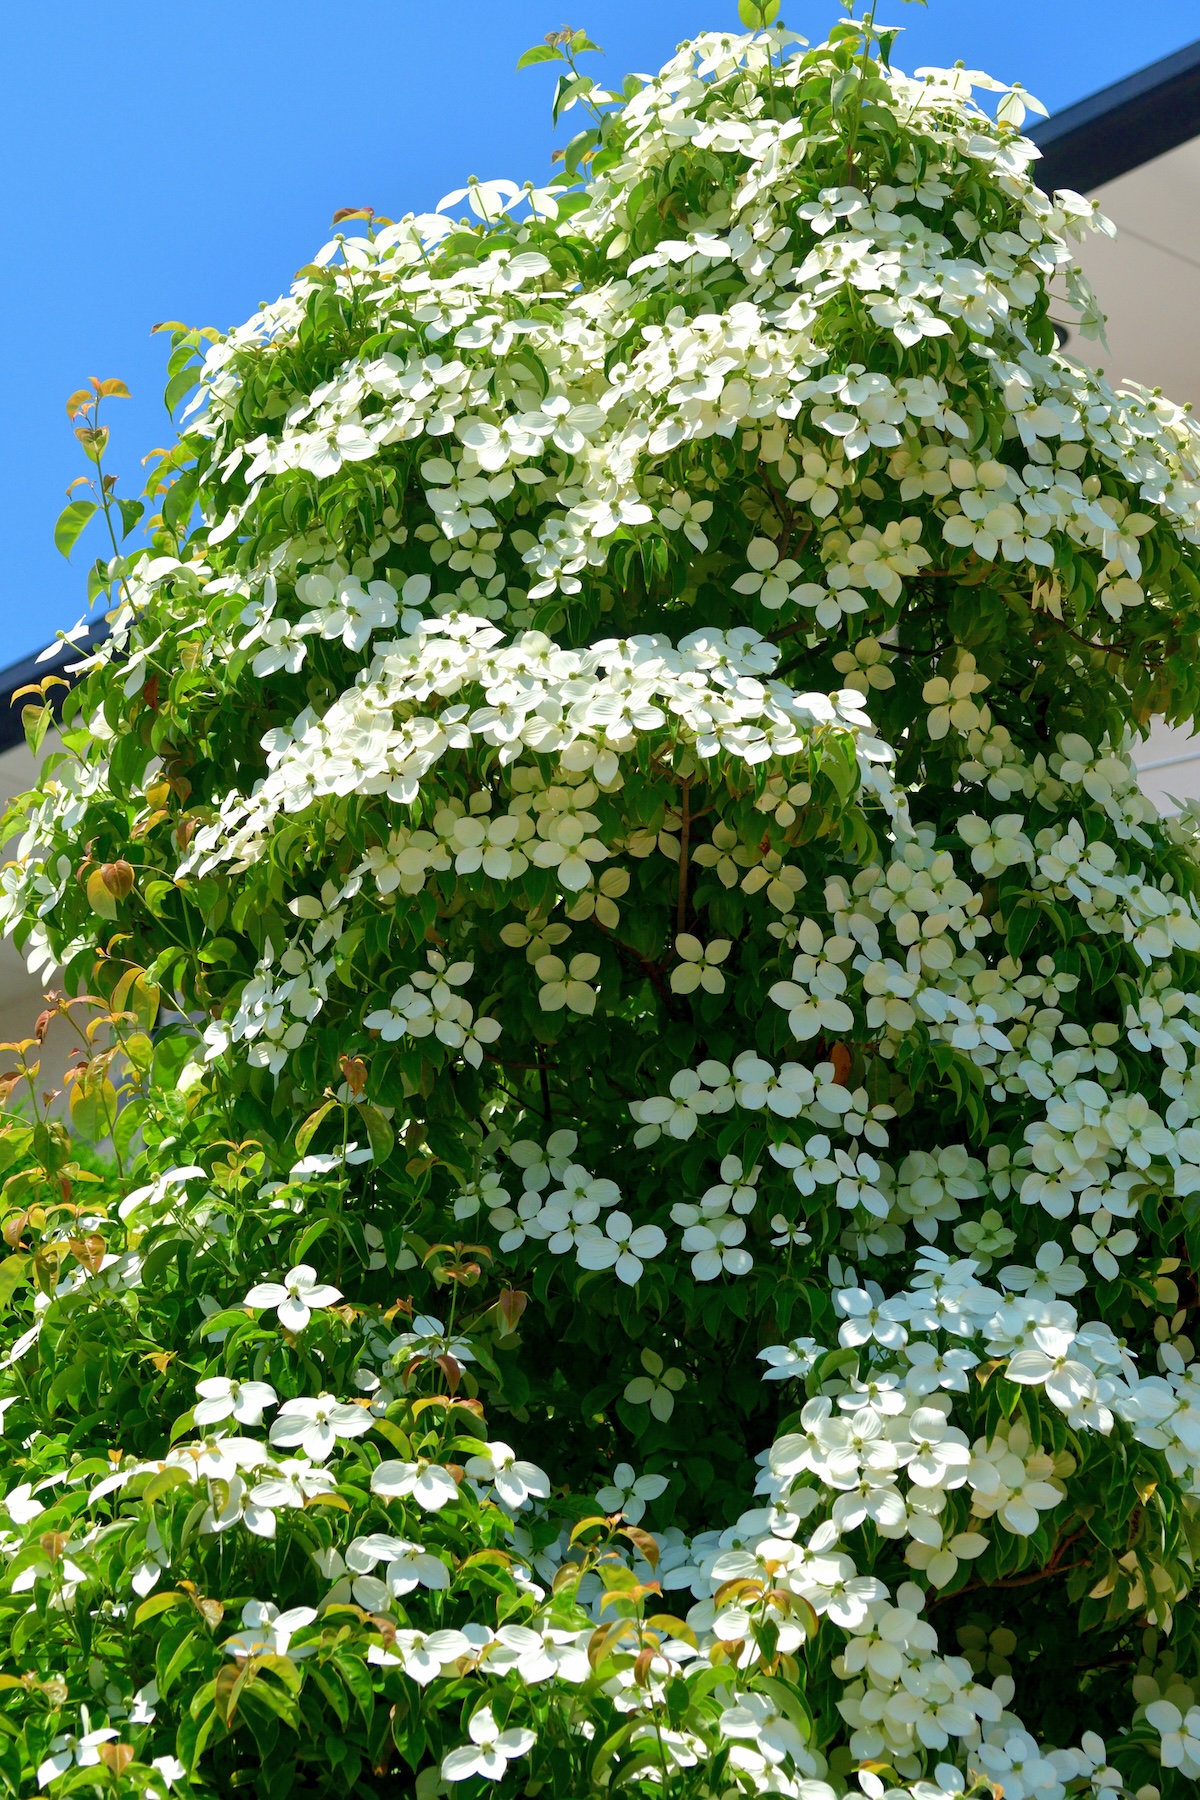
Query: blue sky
point(181, 162)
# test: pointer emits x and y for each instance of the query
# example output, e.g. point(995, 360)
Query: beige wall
point(1148, 277)
point(1148, 281)
point(20, 992)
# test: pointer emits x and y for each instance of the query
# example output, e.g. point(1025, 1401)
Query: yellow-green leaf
point(99, 898)
point(157, 1603)
point(71, 521)
point(541, 53)
point(307, 1131)
point(14, 1273)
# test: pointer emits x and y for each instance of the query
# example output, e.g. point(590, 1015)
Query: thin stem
point(868, 27)
point(684, 838)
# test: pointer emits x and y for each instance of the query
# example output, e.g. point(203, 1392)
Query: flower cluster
point(600, 861)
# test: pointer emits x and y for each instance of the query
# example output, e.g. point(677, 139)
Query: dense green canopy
point(629, 1197)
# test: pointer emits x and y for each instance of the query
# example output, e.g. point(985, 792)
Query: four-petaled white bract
point(429, 1484)
point(224, 1398)
point(490, 1750)
point(295, 1297)
point(624, 1247)
point(316, 1425)
point(630, 1493)
point(269, 1632)
point(515, 1482)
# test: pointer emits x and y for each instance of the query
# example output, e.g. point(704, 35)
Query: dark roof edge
point(1123, 126)
point(28, 670)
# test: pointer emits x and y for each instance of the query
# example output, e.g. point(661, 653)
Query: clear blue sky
point(180, 162)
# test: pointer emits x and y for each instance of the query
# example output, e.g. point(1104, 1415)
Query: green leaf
point(99, 898)
point(35, 721)
point(93, 1107)
point(541, 53)
point(357, 1678)
point(379, 1133)
point(307, 1131)
point(156, 1604)
point(134, 994)
point(180, 385)
point(14, 1273)
point(98, 580)
point(131, 512)
point(71, 521)
point(309, 1236)
point(756, 15)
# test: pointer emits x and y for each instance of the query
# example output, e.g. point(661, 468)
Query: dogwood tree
point(626, 1216)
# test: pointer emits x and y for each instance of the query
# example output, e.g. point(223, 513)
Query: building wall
point(1148, 282)
point(21, 994)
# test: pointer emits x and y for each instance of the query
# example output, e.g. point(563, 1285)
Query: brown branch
point(1116, 649)
point(652, 969)
point(1052, 1568)
point(505, 1063)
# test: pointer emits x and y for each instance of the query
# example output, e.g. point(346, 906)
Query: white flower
point(717, 1245)
point(408, 1566)
point(1104, 1245)
point(940, 1453)
point(630, 1493)
point(221, 1398)
point(996, 844)
point(908, 319)
point(295, 1298)
point(324, 452)
point(423, 1655)
point(563, 986)
point(487, 200)
point(1180, 1733)
point(1052, 1278)
point(657, 1388)
point(810, 1163)
point(812, 998)
point(952, 701)
point(787, 1361)
point(687, 515)
point(1009, 1480)
point(868, 1316)
point(429, 1484)
point(1015, 1765)
point(1047, 1362)
point(769, 578)
point(515, 1482)
point(268, 1632)
point(931, 1368)
point(490, 1750)
point(427, 1338)
point(315, 1425)
point(68, 1749)
point(699, 966)
point(788, 1233)
point(677, 1113)
point(623, 1248)
point(20, 1504)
